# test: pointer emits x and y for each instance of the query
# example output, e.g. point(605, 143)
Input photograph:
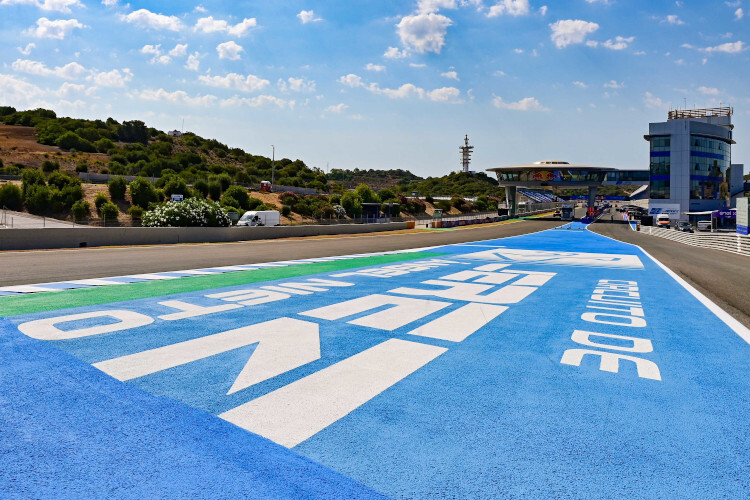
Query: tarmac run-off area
point(555, 364)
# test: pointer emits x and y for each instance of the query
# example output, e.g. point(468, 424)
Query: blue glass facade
point(659, 167)
point(710, 158)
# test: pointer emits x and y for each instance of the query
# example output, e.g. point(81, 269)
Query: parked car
point(704, 225)
point(684, 226)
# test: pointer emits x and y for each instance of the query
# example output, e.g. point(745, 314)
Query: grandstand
point(539, 195)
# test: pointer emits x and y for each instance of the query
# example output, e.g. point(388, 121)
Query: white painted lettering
point(45, 329)
point(610, 362)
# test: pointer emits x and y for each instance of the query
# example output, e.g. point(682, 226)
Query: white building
point(691, 162)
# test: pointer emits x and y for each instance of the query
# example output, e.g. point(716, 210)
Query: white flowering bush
point(192, 212)
point(340, 211)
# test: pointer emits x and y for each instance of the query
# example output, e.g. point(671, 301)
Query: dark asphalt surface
point(723, 277)
point(44, 266)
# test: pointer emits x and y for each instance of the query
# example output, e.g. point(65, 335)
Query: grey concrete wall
point(36, 239)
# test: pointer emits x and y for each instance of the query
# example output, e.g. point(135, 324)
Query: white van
point(260, 218)
point(704, 225)
point(662, 220)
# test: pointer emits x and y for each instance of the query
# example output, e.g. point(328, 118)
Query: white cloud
point(728, 48)
point(153, 50)
point(48, 5)
point(423, 32)
point(109, 3)
point(229, 50)
point(179, 50)
point(395, 53)
point(417, 65)
point(70, 71)
point(374, 67)
point(146, 19)
point(444, 94)
point(256, 102)
point(498, 73)
point(525, 104)
point(57, 29)
point(176, 97)
point(708, 90)
point(296, 85)
point(248, 83)
point(652, 101)
point(452, 75)
point(518, 51)
point(338, 108)
point(571, 31)
point(543, 10)
point(193, 62)
point(26, 50)
point(428, 6)
point(580, 85)
point(739, 14)
point(511, 8)
point(619, 43)
point(19, 91)
point(113, 78)
point(351, 80)
point(605, 2)
point(308, 16)
point(201, 9)
point(211, 25)
point(613, 84)
point(673, 19)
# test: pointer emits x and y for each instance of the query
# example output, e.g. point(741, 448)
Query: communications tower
point(466, 154)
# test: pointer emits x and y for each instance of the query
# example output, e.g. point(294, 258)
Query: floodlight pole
point(273, 163)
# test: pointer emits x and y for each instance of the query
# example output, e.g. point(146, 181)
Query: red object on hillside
point(265, 186)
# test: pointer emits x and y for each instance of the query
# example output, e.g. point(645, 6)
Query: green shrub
point(176, 185)
point(99, 200)
point(81, 209)
point(214, 190)
point(225, 180)
point(82, 167)
point(50, 166)
point(11, 197)
point(109, 211)
point(31, 177)
point(286, 210)
point(240, 194)
point(229, 202)
point(445, 205)
point(193, 212)
point(60, 180)
point(103, 145)
point(254, 203)
point(63, 199)
point(38, 199)
point(117, 188)
point(71, 140)
point(366, 194)
point(142, 192)
point(352, 204)
point(386, 194)
point(135, 212)
point(202, 187)
point(429, 199)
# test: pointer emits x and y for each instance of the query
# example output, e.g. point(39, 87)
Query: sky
point(387, 84)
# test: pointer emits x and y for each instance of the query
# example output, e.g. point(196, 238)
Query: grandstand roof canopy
point(551, 173)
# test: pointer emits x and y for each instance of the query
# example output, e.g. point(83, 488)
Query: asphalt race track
point(559, 363)
point(20, 268)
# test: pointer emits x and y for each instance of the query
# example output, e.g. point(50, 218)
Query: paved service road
point(558, 364)
point(20, 268)
point(722, 276)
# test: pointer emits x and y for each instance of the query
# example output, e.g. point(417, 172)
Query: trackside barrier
point(75, 237)
point(734, 243)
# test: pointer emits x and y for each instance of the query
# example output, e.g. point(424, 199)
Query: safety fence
point(727, 242)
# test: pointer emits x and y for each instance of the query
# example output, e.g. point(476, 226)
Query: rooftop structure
point(680, 114)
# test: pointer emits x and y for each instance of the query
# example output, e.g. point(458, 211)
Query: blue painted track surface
point(497, 414)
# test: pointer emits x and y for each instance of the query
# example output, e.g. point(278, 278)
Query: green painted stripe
point(12, 305)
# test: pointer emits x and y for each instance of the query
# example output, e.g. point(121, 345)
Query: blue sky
point(383, 83)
